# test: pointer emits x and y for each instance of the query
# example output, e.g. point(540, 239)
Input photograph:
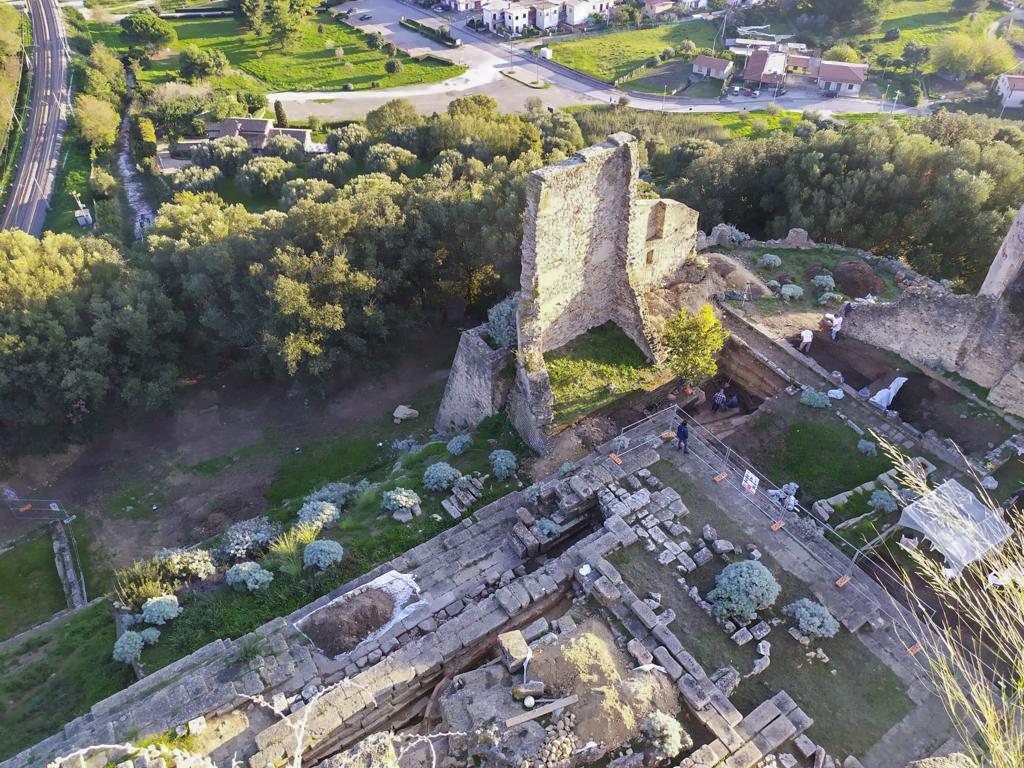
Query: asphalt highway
point(28, 199)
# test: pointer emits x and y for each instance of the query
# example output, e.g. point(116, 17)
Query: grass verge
point(32, 590)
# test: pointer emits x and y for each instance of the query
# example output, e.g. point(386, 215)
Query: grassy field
point(72, 176)
point(310, 66)
point(596, 369)
point(32, 590)
point(670, 77)
point(369, 535)
point(608, 56)
point(854, 699)
point(57, 676)
point(10, 76)
point(925, 21)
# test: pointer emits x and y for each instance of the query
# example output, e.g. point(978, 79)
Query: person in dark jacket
point(683, 435)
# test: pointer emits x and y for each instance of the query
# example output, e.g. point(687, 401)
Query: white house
point(1011, 90)
point(508, 17)
point(712, 66)
point(842, 77)
point(545, 14)
point(576, 12)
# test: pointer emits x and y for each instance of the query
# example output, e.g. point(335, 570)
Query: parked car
point(755, 93)
point(437, 8)
point(365, 17)
point(735, 90)
point(781, 92)
point(747, 92)
point(829, 94)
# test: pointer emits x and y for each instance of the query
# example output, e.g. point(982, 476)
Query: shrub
point(334, 168)
point(248, 537)
point(102, 184)
point(791, 292)
point(352, 139)
point(128, 647)
point(459, 444)
point(318, 514)
point(774, 285)
point(249, 576)
point(620, 443)
point(317, 190)
point(440, 476)
point(196, 178)
point(769, 261)
point(665, 735)
point(150, 635)
point(501, 322)
point(867, 447)
point(503, 463)
point(393, 66)
point(693, 342)
point(883, 501)
point(814, 398)
point(160, 610)
point(187, 563)
point(399, 499)
point(265, 176)
point(338, 494)
point(389, 159)
point(824, 283)
point(322, 554)
point(142, 580)
point(229, 153)
point(737, 235)
point(285, 552)
point(742, 589)
point(286, 147)
point(830, 298)
point(812, 618)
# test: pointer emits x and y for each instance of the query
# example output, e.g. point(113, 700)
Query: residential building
point(545, 14)
point(842, 77)
point(653, 7)
point(257, 131)
point(711, 66)
point(507, 17)
point(765, 68)
point(1011, 90)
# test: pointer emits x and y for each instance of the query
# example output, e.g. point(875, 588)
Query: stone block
point(702, 556)
point(725, 708)
point(742, 636)
point(694, 695)
point(535, 629)
point(514, 650)
point(688, 563)
point(760, 630)
point(784, 702)
point(775, 734)
point(805, 747)
point(759, 717)
point(639, 652)
point(606, 592)
point(644, 613)
point(608, 570)
point(672, 667)
point(801, 720)
point(745, 757)
point(719, 727)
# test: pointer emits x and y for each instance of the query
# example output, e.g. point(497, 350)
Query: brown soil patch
point(857, 279)
point(338, 628)
point(613, 699)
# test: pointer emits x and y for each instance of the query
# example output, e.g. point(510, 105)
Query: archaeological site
point(688, 571)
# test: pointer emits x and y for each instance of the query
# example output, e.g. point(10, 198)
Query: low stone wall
point(476, 388)
point(67, 568)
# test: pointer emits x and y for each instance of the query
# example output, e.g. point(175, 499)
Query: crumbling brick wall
point(478, 383)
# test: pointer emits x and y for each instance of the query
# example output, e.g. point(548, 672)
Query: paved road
point(28, 199)
point(487, 59)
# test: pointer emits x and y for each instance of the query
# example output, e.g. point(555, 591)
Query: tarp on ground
point(883, 398)
point(962, 528)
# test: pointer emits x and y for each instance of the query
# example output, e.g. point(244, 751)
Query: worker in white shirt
point(837, 325)
point(806, 337)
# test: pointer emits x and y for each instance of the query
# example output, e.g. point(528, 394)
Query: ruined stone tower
point(1009, 261)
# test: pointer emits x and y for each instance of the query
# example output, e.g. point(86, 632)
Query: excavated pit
point(340, 627)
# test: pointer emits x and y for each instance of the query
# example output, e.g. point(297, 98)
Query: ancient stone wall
point(1009, 261)
point(476, 388)
point(978, 338)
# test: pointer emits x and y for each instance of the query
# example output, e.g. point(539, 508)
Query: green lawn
point(72, 176)
point(596, 369)
point(310, 66)
point(852, 708)
point(10, 78)
point(821, 456)
point(609, 56)
point(57, 676)
point(32, 590)
point(925, 21)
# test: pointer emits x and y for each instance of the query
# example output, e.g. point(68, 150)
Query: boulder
point(404, 413)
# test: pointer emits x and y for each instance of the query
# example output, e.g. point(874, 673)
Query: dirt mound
point(735, 276)
point(857, 279)
point(341, 626)
point(613, 699)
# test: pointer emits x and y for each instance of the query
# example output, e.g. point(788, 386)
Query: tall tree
point(97, 122)
point(254, 12)
point(915, 54)
point(144, 29)
point(285, 24)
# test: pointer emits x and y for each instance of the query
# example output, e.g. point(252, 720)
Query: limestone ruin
point(1008, 263)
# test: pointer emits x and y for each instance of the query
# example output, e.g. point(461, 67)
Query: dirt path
point(116, 480)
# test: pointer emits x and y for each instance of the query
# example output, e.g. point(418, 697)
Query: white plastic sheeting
point(883, 398)
point(962, 528)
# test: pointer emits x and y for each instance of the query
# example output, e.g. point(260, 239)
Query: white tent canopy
point(957, 524)
point(883, 398)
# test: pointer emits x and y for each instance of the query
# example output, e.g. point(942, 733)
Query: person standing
point(806, 337)
point(837, 326)
point(683, 436)
point(718, 400)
